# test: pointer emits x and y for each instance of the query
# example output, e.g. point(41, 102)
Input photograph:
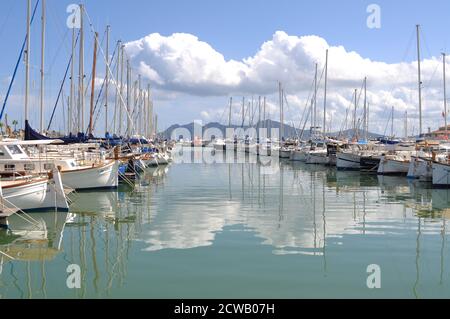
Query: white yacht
point(14, 161)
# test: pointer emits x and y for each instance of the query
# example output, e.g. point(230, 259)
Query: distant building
point(440, 134)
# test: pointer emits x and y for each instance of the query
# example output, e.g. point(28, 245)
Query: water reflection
point(301, 211)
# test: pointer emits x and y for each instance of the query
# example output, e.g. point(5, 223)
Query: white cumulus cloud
point(182, 63)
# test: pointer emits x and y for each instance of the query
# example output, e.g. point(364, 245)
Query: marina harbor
point(305, 169)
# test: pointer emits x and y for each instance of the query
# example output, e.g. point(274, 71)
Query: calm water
point(228, 231)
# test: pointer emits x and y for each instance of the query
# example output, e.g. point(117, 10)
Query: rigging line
point(53, 16)
point(52, 64)
point(90, 75)
point(62, 85)
point(388, 121)
point(17, 64)
point(101, 90)
point(112, 76)
point(425, 41)
point(308, 100)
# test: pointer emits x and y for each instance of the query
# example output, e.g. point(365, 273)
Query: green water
point(229, 231)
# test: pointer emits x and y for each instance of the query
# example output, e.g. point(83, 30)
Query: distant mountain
point(289, 130)
point(351, 133)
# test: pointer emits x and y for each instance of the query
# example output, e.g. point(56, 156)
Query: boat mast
point(42, 67)
point(315, 101)
point(392, 123)
point(128, 99)
point(445, 97)
point(406, 124)
point(283, 133)
point(81, 74)
point(117, 87)
point(280, 94)
point(259, 114)
point(139, 110)
point(121, 87)
point(243, 111)
point(419, 79)
point(365, 109)
point(150, 112)
point(107, 78)
point(354, 114)
point(264, 112)
point(27, 61)
point(229, 114)
point(325, 95)
point(94, 67)
point(145, 111)
point(72, 85)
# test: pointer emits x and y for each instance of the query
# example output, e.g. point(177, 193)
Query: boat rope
point(6, 255)
point(62, 87)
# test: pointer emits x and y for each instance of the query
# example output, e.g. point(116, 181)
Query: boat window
point(48, 167)
point(10, 167)
point(14, 149)
point(29, 167)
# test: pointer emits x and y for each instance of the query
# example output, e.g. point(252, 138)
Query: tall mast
point(107, 79)
point(94, 67)
point(72, 85)
point(243, 111)
point(365, 109)
point(150, 112)
point(229, 114)
point(315, 100)
point(354, 114)
point(445, 97)
point(135, 107)
point(42, 67)
point(392, 123)
point(128, 98)
point(144, 113)
point(81, 74)
point(419, 78)
point(406, 124)
point(281, 110)
point(139, 112)
point(259, 113)
point(118, 97)
point(121, 88)
point(325, 95)
point(264, 112)
point(27, 61)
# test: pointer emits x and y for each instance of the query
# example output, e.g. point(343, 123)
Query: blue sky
point(236, 29)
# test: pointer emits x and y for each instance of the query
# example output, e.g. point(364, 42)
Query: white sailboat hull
point(106, 176)
point(420, 169)
point(317, 158)
point(36, 196)
point(348, 161)
point(392, 167)
point(298, 155)
point(441, 175)
point(285, 153)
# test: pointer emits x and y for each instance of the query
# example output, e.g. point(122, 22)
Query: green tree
point(15, 125)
